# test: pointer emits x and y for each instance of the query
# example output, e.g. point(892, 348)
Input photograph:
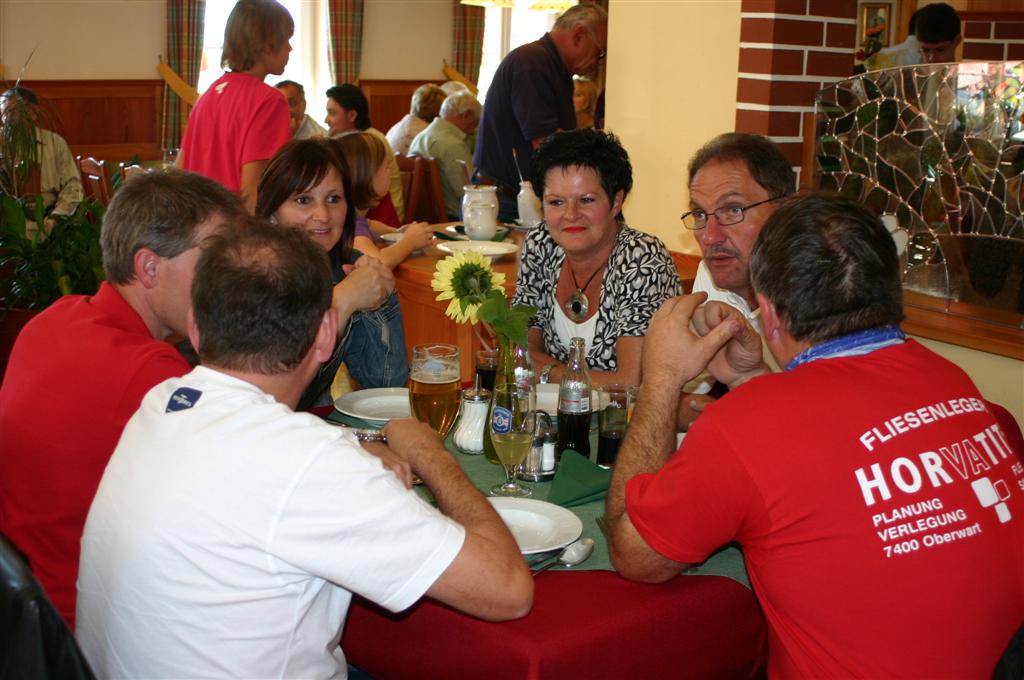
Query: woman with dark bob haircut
point(589, 274)
point(306, 185)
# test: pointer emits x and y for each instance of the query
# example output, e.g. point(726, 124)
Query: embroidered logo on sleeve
point(183, 398)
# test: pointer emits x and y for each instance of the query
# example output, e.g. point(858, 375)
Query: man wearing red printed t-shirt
point(80, 368)
point(878, 499)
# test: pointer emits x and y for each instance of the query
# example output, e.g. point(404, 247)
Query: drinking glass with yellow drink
point(512, 423)
point(434, 387)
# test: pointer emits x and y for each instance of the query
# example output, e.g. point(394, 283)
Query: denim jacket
point(373, 349)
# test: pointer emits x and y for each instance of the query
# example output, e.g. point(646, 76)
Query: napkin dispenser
point(539, 465)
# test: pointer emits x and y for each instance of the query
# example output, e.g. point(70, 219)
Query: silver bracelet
point(545, 373)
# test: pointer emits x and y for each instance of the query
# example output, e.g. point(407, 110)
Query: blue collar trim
point(854, 344)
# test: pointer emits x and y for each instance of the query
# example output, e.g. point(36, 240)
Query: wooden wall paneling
point(111, 120)
point(389, 100)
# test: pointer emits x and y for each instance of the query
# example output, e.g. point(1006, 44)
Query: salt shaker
point(469, 433)
point(539, 465)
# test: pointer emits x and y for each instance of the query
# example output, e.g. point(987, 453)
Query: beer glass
point(513, 421)
point(434, 389)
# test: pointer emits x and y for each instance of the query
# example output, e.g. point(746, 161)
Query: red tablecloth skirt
point(589, 625)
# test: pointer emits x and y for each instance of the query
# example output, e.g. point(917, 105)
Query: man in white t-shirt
point(735, 181)
point(229, 532)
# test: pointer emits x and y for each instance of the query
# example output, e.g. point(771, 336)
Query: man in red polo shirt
point(80, 368)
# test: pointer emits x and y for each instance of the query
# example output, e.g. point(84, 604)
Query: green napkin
point(336, 416)
point(578, 481)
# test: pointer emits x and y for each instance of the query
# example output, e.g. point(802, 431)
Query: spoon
point(573, 554)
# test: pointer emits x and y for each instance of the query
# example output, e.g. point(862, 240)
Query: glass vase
point(514, 365)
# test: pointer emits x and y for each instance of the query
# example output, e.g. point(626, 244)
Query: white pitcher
point(480, 211)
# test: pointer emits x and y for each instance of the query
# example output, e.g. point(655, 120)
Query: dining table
point(424, 316)
point(587, 621)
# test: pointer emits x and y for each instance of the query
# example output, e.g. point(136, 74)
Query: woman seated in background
point(306, 185)
point(584, 100)
point(425, 106)
point(367, 160)
point(588, 274)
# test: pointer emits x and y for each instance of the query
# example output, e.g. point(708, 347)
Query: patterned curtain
point(467, 39)
point(345, 27)
point(185, 19)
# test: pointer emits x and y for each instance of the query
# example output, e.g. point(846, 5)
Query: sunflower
point(465, 278)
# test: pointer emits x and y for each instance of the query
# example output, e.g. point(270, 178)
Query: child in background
point(238, 124)
point(367, 159)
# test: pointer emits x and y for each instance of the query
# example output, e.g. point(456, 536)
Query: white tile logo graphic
point(990, 494)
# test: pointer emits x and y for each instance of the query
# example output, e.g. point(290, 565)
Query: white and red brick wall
point(790, 49)
point(993, 36)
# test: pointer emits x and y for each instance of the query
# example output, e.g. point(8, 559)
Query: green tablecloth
point(726, 562)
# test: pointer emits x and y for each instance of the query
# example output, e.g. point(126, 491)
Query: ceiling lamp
point(552, 5)
point(488, 3)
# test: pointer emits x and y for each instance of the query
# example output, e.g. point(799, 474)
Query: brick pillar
point(790, 49)
point(993, 36)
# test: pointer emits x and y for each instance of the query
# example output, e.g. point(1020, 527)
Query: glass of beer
point(434, 389)
point(512, 422)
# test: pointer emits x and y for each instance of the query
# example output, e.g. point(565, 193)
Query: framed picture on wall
point(876, 23)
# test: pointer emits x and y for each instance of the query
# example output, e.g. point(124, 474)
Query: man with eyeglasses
point(877, 497)
point(938, 33)
point(530, 98)
point(735, 181)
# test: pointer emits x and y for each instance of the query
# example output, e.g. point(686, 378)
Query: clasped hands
point(686, 337)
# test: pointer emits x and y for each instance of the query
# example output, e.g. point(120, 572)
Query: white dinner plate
point(547, 398)
point(524, 226)
point(375, 405)
point(538, 526)
point(490, 249)
point(393, 237)
point(454, 230)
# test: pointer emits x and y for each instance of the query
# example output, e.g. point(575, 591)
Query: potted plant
point(42, 255)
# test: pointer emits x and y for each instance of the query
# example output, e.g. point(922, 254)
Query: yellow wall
point(671, 86)
point(415, 36)
point(82, 39)
point(1000, 379)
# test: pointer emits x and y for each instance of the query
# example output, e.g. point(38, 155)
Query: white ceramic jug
point(480, 211)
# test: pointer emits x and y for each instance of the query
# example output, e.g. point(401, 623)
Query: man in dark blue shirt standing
point(530, 98)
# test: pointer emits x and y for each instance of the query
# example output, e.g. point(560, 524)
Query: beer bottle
point(574, 403)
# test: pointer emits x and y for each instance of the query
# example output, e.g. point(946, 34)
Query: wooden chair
point(434, 210)
point(128, 171)
point(95, 180)
point(411, 169)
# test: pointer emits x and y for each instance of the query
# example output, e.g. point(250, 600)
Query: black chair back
point(35, 643)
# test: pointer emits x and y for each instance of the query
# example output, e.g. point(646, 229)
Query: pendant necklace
point(578, 305)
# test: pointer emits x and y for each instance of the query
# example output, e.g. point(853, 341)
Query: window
point(307, 63)
point(507, 29)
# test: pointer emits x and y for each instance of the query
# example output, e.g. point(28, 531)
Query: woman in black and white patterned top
point(588, 273)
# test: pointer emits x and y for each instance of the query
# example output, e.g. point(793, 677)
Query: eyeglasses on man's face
point(601, 52)
point(937, 52)
point(725, 216)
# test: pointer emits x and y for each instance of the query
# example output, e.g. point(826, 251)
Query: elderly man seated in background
point(60, 182)
point(445, 140)
point(303, 125)
point(876, 496)
point(425, 107)
point(267, 519)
